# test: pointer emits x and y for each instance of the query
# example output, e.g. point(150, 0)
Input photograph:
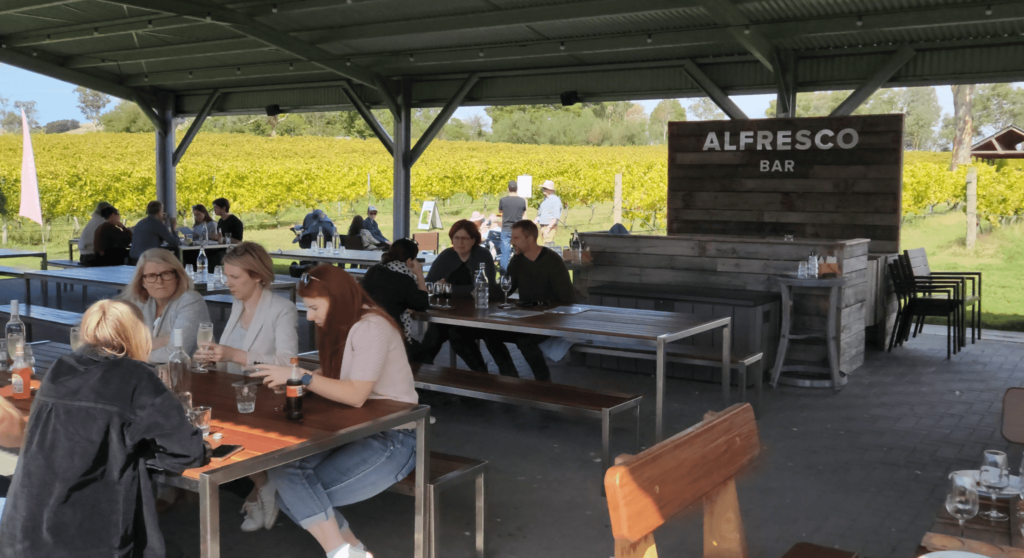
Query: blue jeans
point(506, 249)
point(309, 489)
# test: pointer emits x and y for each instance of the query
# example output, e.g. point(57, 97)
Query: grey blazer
point(272, 337)
point(185, 313)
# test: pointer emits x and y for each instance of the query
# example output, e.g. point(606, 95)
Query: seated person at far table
point(152, 232)
point(458, 266)
point(262, 325)
point(541, 278)
point(86, 251)
point(112, 239)
point(164, 293)
point(228, 224)
point(362, 357)
point(397, 284)
point(359, 238)
point(204, 228)
point(370, 224)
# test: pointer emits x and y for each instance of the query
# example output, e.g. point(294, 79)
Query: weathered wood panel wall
point(828, 178)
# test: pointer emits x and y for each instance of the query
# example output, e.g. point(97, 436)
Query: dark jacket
point(81, 487)
point(371, 225)
point(545, 279)
point(447, 266)
point(395, 292)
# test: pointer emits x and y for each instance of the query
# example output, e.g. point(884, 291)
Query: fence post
point(972, 207)
point(617, 208)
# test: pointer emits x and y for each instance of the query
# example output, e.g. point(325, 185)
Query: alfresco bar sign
point(781, 140)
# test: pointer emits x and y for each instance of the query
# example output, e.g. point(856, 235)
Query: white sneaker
point(348, 551)
point(254, 517)
point(268, 501)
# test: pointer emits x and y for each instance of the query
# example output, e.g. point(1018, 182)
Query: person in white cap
point(549, 213)
point(370, 224)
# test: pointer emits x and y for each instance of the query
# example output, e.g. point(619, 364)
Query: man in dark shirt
point(512, 209)
point(540, 276)
point(228, 223)
point(370, 224)
point(152, 232)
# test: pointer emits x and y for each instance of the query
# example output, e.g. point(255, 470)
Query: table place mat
point(934, 542)
point(568, 310)
point(513, 314)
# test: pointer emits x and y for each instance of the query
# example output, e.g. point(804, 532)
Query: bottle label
point(18, 384)
point(294, 391)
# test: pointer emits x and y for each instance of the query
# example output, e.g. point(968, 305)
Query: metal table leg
point(659, 404)
point(209, 518)
point(726, 369)
point(422, 478)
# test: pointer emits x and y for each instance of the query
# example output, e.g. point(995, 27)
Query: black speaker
point(570, 98)
point(273, 110)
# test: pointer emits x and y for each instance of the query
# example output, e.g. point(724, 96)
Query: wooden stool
point(837, 379)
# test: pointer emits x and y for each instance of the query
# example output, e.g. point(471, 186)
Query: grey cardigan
point(185, 313)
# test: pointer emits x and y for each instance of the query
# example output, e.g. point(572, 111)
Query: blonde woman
point(262, 328)
point(99, 422)
point(164, 293)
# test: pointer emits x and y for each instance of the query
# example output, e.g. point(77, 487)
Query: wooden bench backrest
point(1013, 415)
point(918, 262)
point(646, 490)
point(428, 241)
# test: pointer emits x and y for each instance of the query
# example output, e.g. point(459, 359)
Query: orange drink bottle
point(21, 374)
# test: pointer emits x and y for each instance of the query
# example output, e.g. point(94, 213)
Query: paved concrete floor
point(863, 469)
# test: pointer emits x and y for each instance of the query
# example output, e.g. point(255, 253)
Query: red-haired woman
point(459, 265)
point(362, 356)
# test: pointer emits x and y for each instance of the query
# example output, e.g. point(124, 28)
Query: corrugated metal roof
point(781, 10)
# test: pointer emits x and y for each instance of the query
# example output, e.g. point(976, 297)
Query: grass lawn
point(998, 254)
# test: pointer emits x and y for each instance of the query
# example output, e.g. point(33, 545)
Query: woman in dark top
point(397, 284)
point(458, 266)
point(100, 420)
point(359, 238)
point(113, 240)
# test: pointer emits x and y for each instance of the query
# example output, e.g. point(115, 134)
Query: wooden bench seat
point(31, 314)
point(447, 471)
point(530, 393)
point(688, 354)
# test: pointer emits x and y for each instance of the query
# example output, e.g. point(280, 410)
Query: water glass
point(190, 271)
point(801, 271)
point(245, 396)
point(994, 476)
point(337, 243)
point(4, 365)
point(75, 338)
point(962, 500)
point(188, 240)
point(218, 274)
point(185, 398)
point(328, 247)
point(200, 418)
point(227, 238)
point(430, 293)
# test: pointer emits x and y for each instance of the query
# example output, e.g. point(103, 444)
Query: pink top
point(375, 352)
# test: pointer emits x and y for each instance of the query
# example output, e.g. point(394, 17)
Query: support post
point(403, 162)
point(785, 77)
point(709, 88)
point(369, 118)
point(196, 125)
point(878, 79)
point(166, 187)
point(617, 208)
point(442, 118)
point(972, 207)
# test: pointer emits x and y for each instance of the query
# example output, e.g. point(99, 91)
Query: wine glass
point(430, 293)
point(446, 290)
point(962, 500)
point(203, 335)
point(76, 339)
point(190, 271)
point(506, 285)
point(994, 477)
point(1020, 511)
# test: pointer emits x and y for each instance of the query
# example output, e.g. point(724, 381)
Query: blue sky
point(56, 99)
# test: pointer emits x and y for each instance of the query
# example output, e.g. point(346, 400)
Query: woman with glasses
point(397, 284)
point(362, 357)
point(164, 293)
point(101, 421)
point(262, 327)
point(458, 266)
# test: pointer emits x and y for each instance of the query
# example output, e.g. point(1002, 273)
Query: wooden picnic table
point(116, 277)
point(354, 257)
point(995, 539)
point(270, 440)
point(9, 253)
point(600, 324)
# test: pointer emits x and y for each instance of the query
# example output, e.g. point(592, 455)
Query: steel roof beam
point(170, 52)
point(204, 10)
point(35, 64)
point(713, 91)
point(96, 30)
point(442, 118)
point(369, 118)
point(223, 73)
point(151, 113)
point(873, 83)
point(15, 6)
point(193, 129)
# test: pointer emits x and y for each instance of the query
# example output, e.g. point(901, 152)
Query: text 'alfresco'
point(782, 140)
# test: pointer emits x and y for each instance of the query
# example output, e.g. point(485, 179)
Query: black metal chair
point(919, 300)
point(917, 261)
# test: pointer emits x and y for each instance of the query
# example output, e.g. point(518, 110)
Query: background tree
point(995, 107)
point(962, 97)
point(126, 117)
point(12, 119)
point(818, 103)
point(705, 109)
point(61, 126)
point(91, 103)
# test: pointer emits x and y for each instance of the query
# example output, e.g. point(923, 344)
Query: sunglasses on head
point(306, 279)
